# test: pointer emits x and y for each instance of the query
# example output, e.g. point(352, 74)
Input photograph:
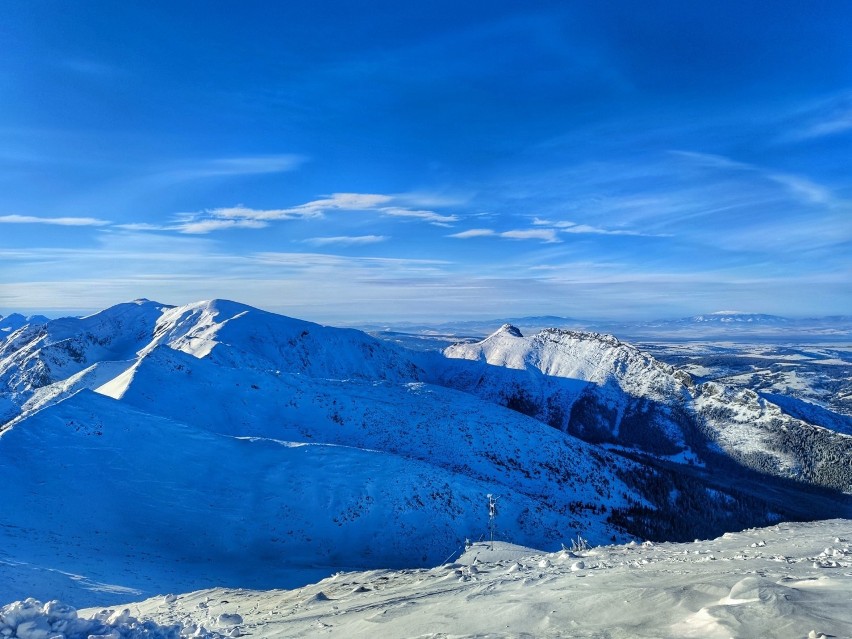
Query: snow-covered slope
point(587, 384)
point(39, 364)
point(431, 424)
point(757, 433)
point(604, 390)
point(791, 580)
point(11, 323)
point(193, 506)
point(258, 339)
point(37, 355)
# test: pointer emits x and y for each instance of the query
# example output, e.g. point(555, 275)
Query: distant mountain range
point(214, 430)
point(13, 322)
point(721, 324)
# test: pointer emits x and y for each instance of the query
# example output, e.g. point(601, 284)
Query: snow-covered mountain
point(717, 326)
point(587, 384)
point(741, 327)
point(191, 433)
point(41, 362)
point(11, 323)
point(37, 355)
point(108, 479)
point(605, 391)
point(163, 442)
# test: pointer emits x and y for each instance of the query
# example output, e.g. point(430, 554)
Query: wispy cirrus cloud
point(839, 123)
point(464, 235)
point(544, 235)
point(565, 226)
point(827, 118)
point(797, 185)
point(241, 212)
point(202, 227)
point(426, 216)
point(347, 240)
point(240, 216)
point(143, 226)
point(702, 198)
point(308, 261)
point(57, 221)
point(190, 170)
point(804, 188)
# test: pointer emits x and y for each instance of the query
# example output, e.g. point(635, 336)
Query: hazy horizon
point(367, 320)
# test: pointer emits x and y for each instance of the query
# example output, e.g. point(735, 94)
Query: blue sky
point(350, 161)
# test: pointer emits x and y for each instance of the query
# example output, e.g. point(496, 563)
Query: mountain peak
point(510, 329)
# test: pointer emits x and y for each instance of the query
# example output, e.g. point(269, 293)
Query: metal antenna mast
point(492, 515)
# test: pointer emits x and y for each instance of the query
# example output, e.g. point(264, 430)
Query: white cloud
point(352, 201)
point(309, 261)
point(347, 240)
point(825, 118)
point(840, 123)
point(241, 216)
point(225, 167)
point(143, 226)
point(573, 227)
point(711, 160)
point(201, 227)
point(546, 235)
point(426, 216)
point(251, 165)
point(473, 233)
point(240, 212)
point(58, 221)
point(804, 188)
point(801, 187)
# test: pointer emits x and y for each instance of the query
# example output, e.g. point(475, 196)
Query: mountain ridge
point(577, 433)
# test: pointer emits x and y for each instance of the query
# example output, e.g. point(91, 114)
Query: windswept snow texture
point(790, 580)
point(30, 619)
point(150, 448)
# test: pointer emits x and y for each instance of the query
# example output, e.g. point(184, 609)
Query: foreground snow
point(790, 580)
point(30, 619)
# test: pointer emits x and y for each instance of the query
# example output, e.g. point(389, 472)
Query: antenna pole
point(492, 515)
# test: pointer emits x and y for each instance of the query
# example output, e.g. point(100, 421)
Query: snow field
point(766, 583)
point(30, 619)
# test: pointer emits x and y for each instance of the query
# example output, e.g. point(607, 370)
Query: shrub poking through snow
point(30, 619)
point(578, 545)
